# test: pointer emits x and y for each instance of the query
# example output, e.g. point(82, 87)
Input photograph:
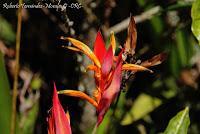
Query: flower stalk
point(15, 85)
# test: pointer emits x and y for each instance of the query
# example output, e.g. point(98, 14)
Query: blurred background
point(148, 101)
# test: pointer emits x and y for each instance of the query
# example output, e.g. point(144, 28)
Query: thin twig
point(15, 85)
point(55, 20)
point(138, 19)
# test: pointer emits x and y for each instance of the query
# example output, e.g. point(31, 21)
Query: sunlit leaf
point(196, 19)
point(179, 124)
point(6, 31)
point(143, 105)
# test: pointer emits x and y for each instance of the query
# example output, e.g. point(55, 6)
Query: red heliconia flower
point(107, 73)
point(58, 121)
point(111, 89)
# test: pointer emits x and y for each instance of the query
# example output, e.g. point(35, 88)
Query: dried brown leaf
point(155, 60)
point(131, 40)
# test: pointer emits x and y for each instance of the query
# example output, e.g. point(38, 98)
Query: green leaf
point(143, 105)
point(29, 119)
point(103, 128)
point(6, 31)
point(5, 99)
point(179, 124)
point(196, 19)
point(181, 43)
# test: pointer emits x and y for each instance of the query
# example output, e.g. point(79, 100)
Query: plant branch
point(15, 85)
point(138, 19)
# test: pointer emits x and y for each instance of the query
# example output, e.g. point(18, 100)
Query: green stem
point(15, 85)
point(94, 131)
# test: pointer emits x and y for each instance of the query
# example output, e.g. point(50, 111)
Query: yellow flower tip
point(72, 40)
point(85, 49)
point(98, 64)
point(113, 42)
point(60, 92)
point(97, 95)
point(84, 70)
point(112, 32)
point(136, 68)
point(73, 48)
point(66, 38)
point(92, 67)
point(68, 116)
point(62, 37)
point(151, 71)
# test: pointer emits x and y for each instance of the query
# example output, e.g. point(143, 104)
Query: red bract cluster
point(107, 73)
point(58, 121)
